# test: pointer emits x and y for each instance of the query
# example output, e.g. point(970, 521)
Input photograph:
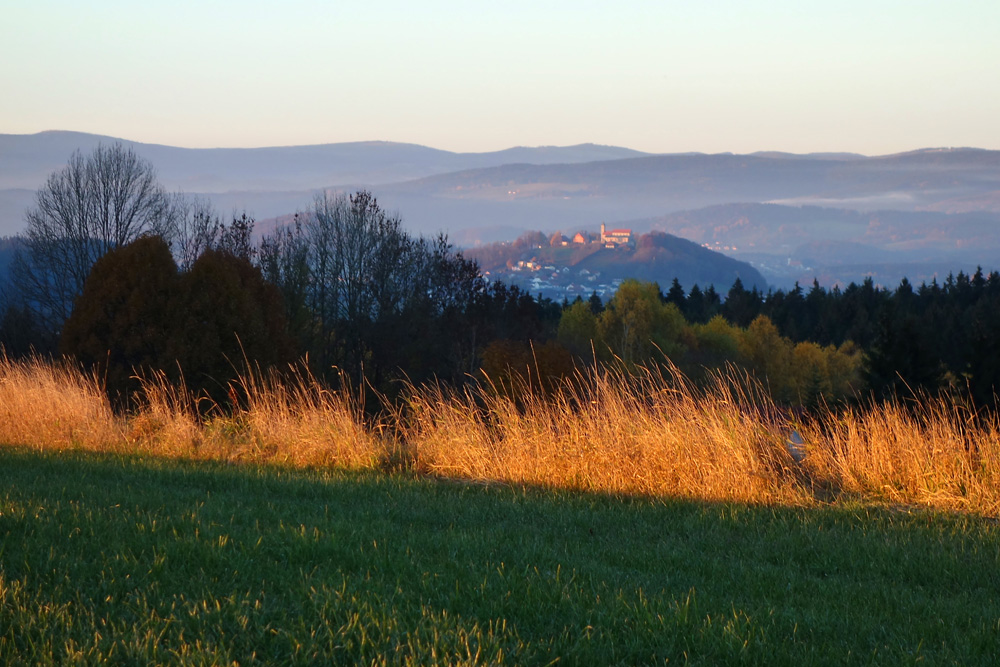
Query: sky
point(871, 76)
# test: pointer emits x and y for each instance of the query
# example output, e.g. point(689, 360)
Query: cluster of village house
point(612, 238)
point(567, 282)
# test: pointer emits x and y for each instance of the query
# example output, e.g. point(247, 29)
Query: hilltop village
point(565, 267)
point(559, 266)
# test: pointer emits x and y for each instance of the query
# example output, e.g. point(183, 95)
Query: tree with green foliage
point(596, 303)
point(902, 360)
point(768, 356)
point(637, 323)
point(697, 309)
point(578, 330)
point(810, 378)
point(675, 295)
point(742, 306)
point(717, 343)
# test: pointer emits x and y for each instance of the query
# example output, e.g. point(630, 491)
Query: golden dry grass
point(606, 430)
point(935, 453)
point(610, 431)
point(54, 406)
point(294, 420)
point(286, 419)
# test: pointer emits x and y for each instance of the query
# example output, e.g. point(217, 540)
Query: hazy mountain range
point(268, 182)
point(933, 207)
point(26, 160)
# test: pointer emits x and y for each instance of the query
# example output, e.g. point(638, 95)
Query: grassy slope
point(125, 559)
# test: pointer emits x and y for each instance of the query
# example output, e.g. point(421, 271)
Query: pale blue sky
point(867, 76)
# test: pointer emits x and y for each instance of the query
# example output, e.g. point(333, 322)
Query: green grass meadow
point(129, 560)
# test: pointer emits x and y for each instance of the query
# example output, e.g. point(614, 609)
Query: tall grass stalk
point(286, 419)
point(166, 421)
point(610, 430)
point(54, 406)
point(293, 419)
point(640, 431)
point(934, 452)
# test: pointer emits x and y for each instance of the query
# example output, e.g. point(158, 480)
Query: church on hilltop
point(615, 237)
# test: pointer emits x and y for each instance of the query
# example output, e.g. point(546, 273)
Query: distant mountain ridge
point(269, 181)
point(26, 160)
point(562, 196)
point(917, 235)
point(914, 180)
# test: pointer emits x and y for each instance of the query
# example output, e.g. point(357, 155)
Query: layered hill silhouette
point(269, 181)
point(26, 160)
point(947, 181)
point(930, 205)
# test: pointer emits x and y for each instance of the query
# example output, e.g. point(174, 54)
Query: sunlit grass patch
point(936, 453)
point(637, 432)
point(293, 419)
point(54, 406)
point(608, 430)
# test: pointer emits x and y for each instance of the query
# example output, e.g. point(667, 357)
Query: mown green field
point(130, 560)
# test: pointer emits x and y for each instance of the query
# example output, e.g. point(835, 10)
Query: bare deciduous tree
point(353, 280)
point(199, 229)
point(98, 202)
